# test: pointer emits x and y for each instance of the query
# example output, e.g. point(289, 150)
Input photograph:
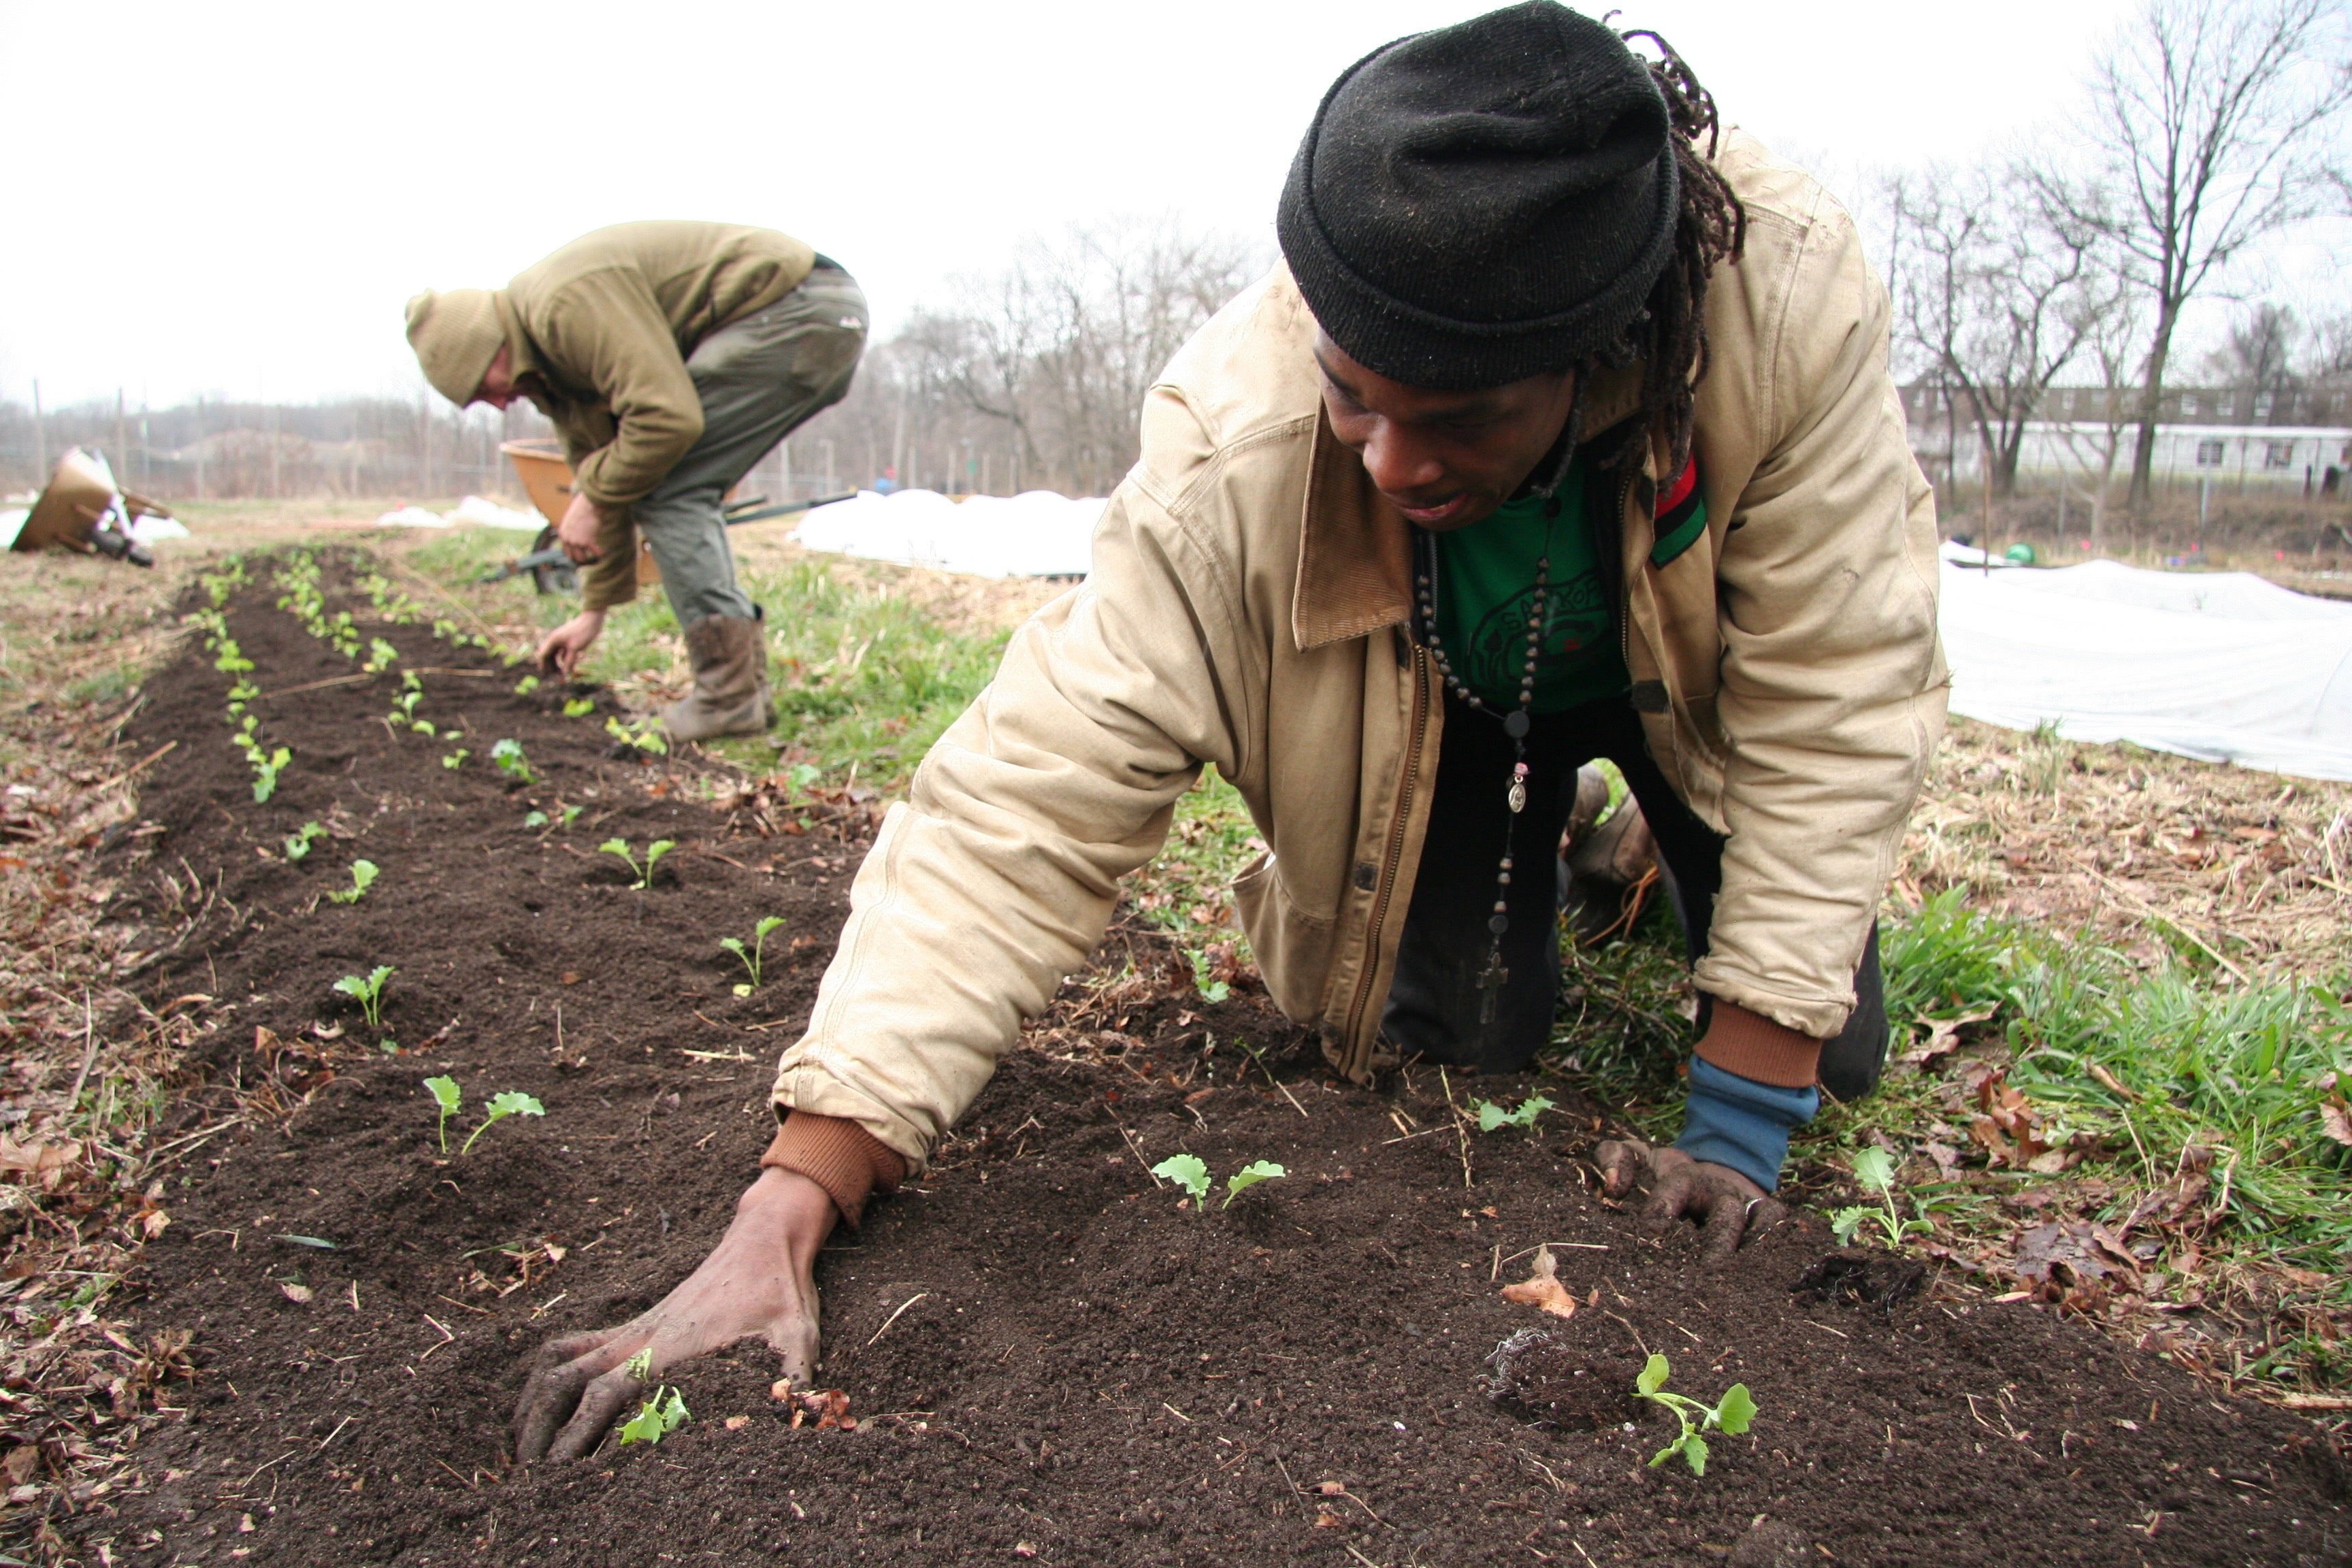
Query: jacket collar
point(1355, 550)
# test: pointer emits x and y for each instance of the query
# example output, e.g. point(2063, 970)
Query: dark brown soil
point(1046, 1356)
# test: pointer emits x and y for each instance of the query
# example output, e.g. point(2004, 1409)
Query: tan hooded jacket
point(1248, 606)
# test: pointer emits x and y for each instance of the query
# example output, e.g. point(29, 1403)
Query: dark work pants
point(1434, 1005)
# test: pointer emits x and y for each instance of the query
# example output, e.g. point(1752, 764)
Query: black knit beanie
point(1484, 201)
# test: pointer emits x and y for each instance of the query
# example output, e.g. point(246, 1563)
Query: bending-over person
point(671, 357)
point(1565, 432)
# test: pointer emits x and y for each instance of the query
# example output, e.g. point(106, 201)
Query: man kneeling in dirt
point(672, 357)
point(1566, 432)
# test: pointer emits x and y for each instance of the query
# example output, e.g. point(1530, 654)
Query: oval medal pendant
point(1517, 797)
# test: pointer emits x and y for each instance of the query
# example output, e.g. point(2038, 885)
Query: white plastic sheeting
point(482, 513)
point(2220, 666)
point(1034, 534)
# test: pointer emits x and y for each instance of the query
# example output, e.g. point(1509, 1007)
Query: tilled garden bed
point(1045, 1356)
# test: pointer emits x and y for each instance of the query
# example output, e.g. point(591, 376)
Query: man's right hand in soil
point(758, 1284)
point(561, 651)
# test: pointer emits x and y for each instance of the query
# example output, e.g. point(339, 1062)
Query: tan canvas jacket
point(1248, 606)
point(606, 323)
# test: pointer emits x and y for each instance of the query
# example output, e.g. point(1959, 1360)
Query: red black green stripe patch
point(1681, 516)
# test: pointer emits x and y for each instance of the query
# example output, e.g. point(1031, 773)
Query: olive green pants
point(760, 379)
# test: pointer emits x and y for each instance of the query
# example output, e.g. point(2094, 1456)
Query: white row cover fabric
point(2220, 666)
point(1034, 534)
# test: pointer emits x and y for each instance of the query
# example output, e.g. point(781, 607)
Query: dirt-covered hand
point(561, 651)
point(757, 1283)
point(1729, 1205)
point(577, 532)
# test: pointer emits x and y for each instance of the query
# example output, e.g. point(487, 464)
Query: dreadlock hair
point(1668, 338)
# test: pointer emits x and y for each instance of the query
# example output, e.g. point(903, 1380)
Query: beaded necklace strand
point(1516, 724)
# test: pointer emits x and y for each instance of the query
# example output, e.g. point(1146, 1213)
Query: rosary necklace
point(1516, 723)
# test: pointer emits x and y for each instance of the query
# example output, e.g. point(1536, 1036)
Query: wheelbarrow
point(547, 480)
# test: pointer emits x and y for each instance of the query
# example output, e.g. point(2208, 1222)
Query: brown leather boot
point(730, 682)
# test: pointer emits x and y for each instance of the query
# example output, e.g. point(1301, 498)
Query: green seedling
point(654, 852)
point(266, 771)
point(1730, 1416)
point(1875, 1169)
point(1248, 1177)
point(645, 737)
point(298, 844)
point(526, 686)
point(455, 759)
point(508, 755)
point(662, 1415)
point(1491, 1116)
point(363, 875)
point(1189, 1173)
point(244, 691)
point(368, 991)
point(759, 946)
point(534, 819)
point(1211, 991)
point(506, 1103)
point(571, 814)
point(445, 1095)
point(381, 655)
point(579, 707)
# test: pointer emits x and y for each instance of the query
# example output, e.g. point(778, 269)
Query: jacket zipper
point(1418, 734)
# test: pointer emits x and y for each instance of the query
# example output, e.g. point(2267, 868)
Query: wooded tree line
point(2208, 132)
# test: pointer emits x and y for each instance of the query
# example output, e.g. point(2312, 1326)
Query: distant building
point(2295, 443)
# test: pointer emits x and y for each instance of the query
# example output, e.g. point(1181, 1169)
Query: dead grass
point(2150, 853)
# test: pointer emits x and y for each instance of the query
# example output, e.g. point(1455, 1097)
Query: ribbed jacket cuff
point(849, 1163)
point(1755, 1047)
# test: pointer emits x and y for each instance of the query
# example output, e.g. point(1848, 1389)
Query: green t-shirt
point(1486, 592)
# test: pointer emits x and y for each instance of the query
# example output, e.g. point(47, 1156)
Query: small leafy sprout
point(1212, 990)
point(1730, 1417)
point(381, 655)
point(455, 759)
point(640, 1366)
point(445, 1095)
point(363, 876)
point(759, 946)
point(1248, 1177)
point(654, 852)
point(506, 1103)
point(803, 774)
point(266, 771)
point(1874, 1168)
point(368, 991)
point(662, 1415)
point(298, 844)
point(645, 737)
point(1188, 1171)
point(572, 815)
point(535, 819)
point(526, 686)
point(508, 757)
point(1491, 1116)
point(407, 700)
point(579, 707)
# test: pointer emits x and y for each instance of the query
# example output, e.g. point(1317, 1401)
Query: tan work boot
point(730, 682)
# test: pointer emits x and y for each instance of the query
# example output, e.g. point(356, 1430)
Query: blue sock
point(1737, 1121)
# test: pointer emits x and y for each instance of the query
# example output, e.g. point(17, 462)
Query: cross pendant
point(1491, 981)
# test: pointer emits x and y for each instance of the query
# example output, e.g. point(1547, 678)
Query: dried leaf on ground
point(1943, 1036)
point(1542, 1288)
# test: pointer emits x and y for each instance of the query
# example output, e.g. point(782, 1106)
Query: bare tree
point(1997, 295)
point(2114, 346)
point(2257, 354)
point(1062, 345)
point(2213, 126)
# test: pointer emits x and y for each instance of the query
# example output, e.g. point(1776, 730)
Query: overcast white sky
point(252, 190)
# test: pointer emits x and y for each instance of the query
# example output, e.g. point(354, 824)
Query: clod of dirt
point(1539, 1378)
point(1771, 1544)
point(1861, 1278)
